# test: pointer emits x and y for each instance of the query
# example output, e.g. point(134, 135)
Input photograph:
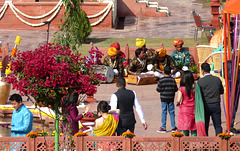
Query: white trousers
point(160, 75)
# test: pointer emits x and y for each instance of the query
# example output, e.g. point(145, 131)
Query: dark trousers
point(213, 110)
point(235, 108)
point(121, 129)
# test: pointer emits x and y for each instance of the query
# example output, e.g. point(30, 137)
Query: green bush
point(75, 28)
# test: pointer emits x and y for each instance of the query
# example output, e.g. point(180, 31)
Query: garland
point(3, 9)
point(34, 25)
point(38, 17)
point(55, 10)
point(105, 14)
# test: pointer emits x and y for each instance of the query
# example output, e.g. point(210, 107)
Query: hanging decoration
point(54, 12)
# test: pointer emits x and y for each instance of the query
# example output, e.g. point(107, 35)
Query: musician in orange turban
point(180, 55)
point(120, 53)
point(114, 61)
point(150, 54)
point(162, 61)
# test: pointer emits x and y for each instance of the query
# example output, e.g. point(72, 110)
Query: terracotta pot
point(90, 99)
point(195, 76)
point(4, 91)
point(87, 119)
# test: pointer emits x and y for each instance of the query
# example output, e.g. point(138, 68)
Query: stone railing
point(116, 143)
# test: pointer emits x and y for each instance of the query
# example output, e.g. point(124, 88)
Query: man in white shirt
point(125, 100)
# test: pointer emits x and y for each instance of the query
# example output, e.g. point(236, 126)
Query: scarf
point(199, 112)
point(108, 127)
point(142, 62)
point(160, 66)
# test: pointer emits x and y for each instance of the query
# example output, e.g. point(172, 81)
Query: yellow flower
point(128, 134)
point(53, 133)
point(80, 134)
point(8, 70)
point(18, 39)
point(224, 135)
point(176, 134)
point(32, 134)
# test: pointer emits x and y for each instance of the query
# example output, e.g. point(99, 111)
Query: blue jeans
point(213, 110)
point(171, 109)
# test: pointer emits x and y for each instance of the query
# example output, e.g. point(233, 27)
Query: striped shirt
point(167, 88)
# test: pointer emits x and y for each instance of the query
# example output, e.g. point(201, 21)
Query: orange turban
point(140, 42)
point(178, 42)
point(161, 52)
point(112, 51)
point(116, 45)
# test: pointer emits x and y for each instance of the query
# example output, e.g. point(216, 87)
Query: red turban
point(178, 42)
point(116, 45)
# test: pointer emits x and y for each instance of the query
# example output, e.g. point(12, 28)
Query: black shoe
point(234, 131)
point(161, 130)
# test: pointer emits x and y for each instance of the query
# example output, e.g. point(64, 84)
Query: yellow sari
point(108, 127)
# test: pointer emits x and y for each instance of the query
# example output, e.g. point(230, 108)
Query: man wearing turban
point(162, 61)
point(114, 61)
point(180, 55)
point(120, 53)
point(150, 54)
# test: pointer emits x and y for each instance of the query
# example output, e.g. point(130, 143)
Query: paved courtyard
point(179, 25)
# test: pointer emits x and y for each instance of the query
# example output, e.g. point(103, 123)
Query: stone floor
point(149, 100)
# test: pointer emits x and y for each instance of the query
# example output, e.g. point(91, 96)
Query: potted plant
point(179, 66)
point(89, 117)
point(195, 71)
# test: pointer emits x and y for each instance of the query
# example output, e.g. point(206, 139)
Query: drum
point(106, 71)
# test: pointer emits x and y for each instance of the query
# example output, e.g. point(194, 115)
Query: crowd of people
point(148, 61)
point(197, 101)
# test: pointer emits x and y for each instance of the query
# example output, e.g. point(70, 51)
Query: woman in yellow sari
point(107, 124)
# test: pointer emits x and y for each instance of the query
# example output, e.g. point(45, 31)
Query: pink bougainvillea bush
point(51, 72)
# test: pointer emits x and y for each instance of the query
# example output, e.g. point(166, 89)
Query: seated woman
point(114, 61)
point(180, 55)
point(107, 124)
point(162, 61)
point(70, 111)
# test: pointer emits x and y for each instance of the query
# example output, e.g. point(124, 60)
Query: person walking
point(186, 103)
point(107, 124)
point(167, 88)
point(211, 88)
point(125, 100)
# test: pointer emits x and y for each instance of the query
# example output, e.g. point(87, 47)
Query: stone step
point(155, 5)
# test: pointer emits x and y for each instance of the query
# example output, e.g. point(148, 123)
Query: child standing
point(167, 88)
point(186, 103)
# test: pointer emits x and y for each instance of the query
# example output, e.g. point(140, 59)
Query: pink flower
point(52, 67)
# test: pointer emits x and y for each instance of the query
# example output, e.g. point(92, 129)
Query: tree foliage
point(75, 26)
